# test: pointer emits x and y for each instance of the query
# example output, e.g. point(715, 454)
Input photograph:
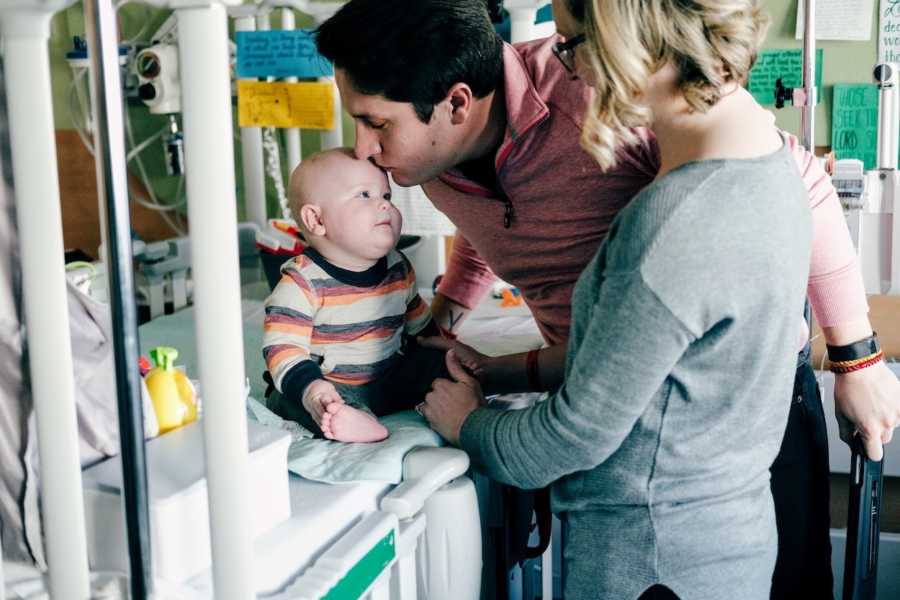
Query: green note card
point(786, 64)
point(854, 122)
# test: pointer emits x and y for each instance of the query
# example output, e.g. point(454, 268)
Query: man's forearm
point(447, 314)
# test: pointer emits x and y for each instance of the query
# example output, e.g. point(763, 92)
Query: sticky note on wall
point(280, 54)
point(785, 64)
point(854, 122)
point(277, 104)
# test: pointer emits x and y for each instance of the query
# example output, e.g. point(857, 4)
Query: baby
point(340, 325)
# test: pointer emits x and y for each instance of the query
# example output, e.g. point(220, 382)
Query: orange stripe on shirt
point(345, 299)
point(300, 330)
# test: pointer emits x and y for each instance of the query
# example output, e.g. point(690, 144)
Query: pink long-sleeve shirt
point(563, 204)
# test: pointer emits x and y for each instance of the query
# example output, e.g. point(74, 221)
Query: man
point(492, 132)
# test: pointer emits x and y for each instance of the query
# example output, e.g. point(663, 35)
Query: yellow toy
point(170, 390)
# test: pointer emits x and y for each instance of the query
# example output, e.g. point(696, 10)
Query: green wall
point(843, 62)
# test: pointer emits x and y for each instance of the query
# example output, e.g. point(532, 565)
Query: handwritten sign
point(889, 31)
point(305, 105)
point(854, 122)
point(839, 20)
point(785, 64)
point(279, 54)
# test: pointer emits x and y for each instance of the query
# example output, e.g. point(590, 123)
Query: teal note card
point(785, 64)
point(854, 122)
point(280, 54)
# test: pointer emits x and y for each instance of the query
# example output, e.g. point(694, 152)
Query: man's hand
point(868, 401)
point(449, 403)
point(317, 396)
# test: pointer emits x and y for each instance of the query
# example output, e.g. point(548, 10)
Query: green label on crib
point(360, 577)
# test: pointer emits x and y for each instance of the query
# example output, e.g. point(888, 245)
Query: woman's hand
point(868, 401)
point(475, 362)
point(449, 403)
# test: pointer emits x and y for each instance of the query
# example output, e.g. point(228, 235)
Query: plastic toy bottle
point(187, 395)
point(163, 387)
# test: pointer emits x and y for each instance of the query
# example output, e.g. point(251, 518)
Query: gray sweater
point(678, 379)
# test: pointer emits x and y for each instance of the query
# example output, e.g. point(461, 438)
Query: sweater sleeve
point(611, 379)
point(835, 288)
point(287, 334)
point(468, 278)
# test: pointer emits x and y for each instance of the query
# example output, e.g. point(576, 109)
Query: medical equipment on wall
point(872, 199)
point(159, 83)
point(878, 224)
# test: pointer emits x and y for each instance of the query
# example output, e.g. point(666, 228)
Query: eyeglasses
point(565, 51)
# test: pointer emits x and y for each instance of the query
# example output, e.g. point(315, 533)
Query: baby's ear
point(311, 218)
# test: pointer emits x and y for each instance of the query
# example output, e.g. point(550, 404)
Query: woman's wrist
point(855, 356)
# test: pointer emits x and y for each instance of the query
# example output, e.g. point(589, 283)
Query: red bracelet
point(875, 358)
point(532, 371)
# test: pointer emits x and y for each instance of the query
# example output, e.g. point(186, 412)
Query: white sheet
point(337, 462)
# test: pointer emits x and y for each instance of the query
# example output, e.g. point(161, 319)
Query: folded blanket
point(340, 462)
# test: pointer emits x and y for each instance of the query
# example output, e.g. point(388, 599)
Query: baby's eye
point(365, 194)
point(387, 196)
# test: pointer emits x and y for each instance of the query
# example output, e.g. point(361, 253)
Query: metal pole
point(25, 35)
point(212, 212)
point(291, 134)
point(112, 187)
point(808, 109)
point(334, 137)
point(252, 151)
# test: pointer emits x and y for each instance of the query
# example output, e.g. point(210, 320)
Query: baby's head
point(344, 207)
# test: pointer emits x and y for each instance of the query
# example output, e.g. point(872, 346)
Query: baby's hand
point(317, 396)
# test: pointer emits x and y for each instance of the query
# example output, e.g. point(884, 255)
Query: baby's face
point(358, 214)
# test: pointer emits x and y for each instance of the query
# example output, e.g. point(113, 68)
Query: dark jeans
point(401, 388)
point(800, 487)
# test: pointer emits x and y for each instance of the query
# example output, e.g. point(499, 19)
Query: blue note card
point(280, 54)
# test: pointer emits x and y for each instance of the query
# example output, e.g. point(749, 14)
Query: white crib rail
point(25, 32)
point(212, 212)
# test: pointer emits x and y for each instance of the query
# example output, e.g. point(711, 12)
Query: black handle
point(863, 524)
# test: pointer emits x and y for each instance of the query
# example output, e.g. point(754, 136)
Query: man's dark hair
point(576, 7)
point(414, 50)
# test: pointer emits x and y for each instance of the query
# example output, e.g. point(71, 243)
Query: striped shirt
point(325, 322)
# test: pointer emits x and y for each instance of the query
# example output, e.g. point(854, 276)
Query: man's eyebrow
point(366, 117)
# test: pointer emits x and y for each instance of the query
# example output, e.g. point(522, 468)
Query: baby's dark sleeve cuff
point(301, 375)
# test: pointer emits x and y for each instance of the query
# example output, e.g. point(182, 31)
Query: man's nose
point(367, 144)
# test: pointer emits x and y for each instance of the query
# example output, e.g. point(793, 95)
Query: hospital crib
point(377, 553)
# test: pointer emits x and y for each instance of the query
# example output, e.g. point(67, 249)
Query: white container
point(179, 511)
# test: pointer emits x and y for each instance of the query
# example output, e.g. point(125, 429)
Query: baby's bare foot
point(343, 423)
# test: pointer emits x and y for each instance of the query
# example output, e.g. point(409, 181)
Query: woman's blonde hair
point(710, 42)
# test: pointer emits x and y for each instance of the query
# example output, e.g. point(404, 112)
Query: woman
point(866, 400)
point(704, 270)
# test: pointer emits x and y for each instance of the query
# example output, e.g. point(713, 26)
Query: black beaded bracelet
point(861, 349)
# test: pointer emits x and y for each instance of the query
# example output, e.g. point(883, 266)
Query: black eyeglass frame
point(565, 51)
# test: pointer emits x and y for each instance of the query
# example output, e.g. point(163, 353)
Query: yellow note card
point(276, 104)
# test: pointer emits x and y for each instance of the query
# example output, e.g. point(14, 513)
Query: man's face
point(392, 135)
